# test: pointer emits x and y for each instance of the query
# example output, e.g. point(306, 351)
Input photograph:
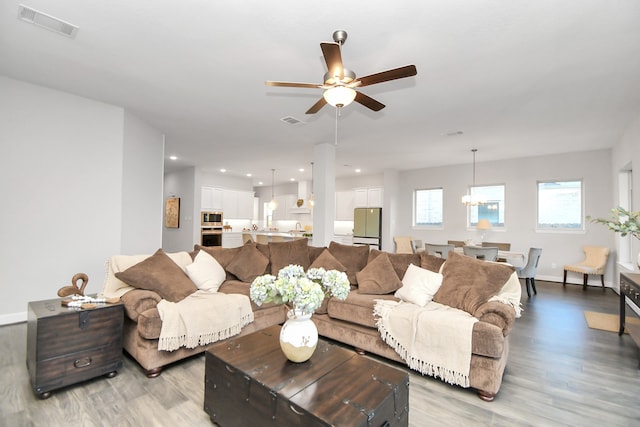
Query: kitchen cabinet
point(368, 197)
point(285, 203)
point(230, 204)
point(211, 199)
point(345, 202)
point(245, 204)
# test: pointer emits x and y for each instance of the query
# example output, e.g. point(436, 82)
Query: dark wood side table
point(630, 288)
point(67, 345)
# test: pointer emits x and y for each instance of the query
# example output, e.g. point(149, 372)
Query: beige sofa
point(350, 321)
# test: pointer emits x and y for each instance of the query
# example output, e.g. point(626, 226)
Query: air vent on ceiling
point(49, 22)
point(292, 120)
point(454, 133)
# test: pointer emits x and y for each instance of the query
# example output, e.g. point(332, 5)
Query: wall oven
point(211, 219)
point(211, 236)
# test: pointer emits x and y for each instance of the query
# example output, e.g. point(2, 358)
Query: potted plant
point(303, 294)
point(624, 222)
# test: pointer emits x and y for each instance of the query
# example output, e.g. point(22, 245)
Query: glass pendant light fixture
point(273, 205)
point(473, 199)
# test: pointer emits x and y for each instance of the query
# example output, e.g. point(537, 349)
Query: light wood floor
point(560, 372)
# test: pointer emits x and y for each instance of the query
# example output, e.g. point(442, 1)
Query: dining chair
point(485, 254)
point(456, 243)
point(528, 272)
point(594, 263)
point(441, 251)
point(277, 239)
point(500, 246)
point(403, 245)
point(417, 247)
point(246, 237)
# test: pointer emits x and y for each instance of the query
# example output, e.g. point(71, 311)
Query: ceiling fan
point(339, 82)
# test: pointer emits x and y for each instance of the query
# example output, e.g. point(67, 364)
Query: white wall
point(142, 203)
point(61, 179)
point(520, 177)
point(182, 184)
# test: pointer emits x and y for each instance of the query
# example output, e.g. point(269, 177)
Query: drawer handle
point(295, 411)
point(82, 363)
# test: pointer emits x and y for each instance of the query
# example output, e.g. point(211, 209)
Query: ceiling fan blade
point(368, 102)
point(317, 106)
point(385, 76)
point(333, 58)
point(292, 84)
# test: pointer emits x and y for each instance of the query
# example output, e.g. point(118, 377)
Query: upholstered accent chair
point(441, 251)
point(594, 263)
point(403, 245)
point(528, 272)
point(485, 254)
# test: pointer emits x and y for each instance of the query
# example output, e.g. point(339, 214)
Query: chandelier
point(273, 205)
point(473, 199)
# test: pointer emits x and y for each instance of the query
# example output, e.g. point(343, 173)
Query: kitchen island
point(233, 239)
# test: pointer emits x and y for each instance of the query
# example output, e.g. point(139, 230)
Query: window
point(492, 209)
point(427, 207)
point(560, 205)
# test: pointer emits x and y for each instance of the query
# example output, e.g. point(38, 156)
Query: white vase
point(298, 336)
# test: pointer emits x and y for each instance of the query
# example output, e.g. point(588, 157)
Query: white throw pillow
point(419, 285)
point(206, 272)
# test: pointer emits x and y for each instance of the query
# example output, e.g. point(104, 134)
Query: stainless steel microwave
point(211, 219)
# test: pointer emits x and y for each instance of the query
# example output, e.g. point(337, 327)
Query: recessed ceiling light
point(173, 157)
point(292, 179)
point(301, 170)
point(249, 175)
point(357, 170)
point(223, 170)
point(260, 183)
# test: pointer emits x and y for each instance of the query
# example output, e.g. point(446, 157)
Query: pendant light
point(273, 205)
point(311, 201)
point(472, 199)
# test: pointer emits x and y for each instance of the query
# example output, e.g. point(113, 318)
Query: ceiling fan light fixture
point(339, 96)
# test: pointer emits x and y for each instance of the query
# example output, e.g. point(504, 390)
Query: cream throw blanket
point(434, 340)
point(202, 318)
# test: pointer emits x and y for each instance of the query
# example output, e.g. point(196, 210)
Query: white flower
point(305, 292)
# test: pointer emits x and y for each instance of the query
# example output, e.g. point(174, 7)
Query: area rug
point(607, 322)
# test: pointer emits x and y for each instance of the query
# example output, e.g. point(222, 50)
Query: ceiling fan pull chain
point(337, 112)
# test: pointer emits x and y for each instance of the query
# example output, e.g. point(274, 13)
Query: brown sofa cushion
point(352, 257)
point(400, 262)
point(431, 262)
point(160, 274)
point(281, 254)
point(378, 277)
point(468, 282)
point(315, 252)
point(357, 308)
point(249, 264)
point(328, 262)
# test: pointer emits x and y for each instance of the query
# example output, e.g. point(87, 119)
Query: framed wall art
point(172, 212)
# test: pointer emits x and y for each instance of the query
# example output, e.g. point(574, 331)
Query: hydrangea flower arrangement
point(304, 291)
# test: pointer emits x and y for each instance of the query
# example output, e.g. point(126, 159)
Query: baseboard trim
point(8, 319)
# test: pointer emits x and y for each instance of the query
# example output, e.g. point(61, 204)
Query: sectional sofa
point(467, 284)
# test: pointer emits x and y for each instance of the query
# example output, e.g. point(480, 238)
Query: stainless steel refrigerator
point(367, 227)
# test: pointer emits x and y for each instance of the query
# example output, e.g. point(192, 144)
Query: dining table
point(516, 259)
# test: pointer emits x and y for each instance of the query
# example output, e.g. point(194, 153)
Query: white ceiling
point(519, 78)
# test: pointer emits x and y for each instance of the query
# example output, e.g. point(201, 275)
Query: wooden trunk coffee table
point(249, 382)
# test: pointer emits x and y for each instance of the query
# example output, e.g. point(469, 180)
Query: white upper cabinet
point(344, 205)
point(368, 197)
point(285, 203)
point(234, 204)
point(211, 199)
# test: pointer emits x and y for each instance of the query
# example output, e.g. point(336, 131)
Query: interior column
point(324, 190)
